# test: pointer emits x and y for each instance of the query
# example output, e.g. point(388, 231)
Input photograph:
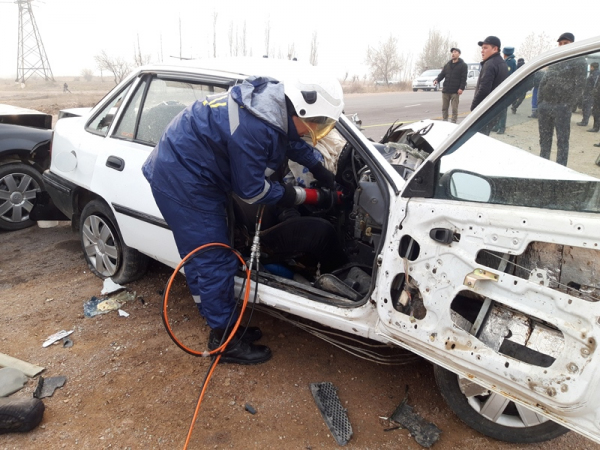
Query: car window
point(164, 100)
point(126, 127)
point(532, 154)
point(103, 119)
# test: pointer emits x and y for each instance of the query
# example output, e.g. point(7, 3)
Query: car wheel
point(415, 90)
point(18, 186)
point(493, 414)
point(103, 247)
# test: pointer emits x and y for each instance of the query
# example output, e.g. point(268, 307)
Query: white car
point(472, 78)
point(469, 250)
point(426, 79)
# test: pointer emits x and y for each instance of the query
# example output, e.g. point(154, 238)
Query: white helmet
point(317, 99)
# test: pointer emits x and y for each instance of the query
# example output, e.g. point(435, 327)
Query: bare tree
point(314, 53)
point(384, 61)
point(115, 65)
point(291, 51)
point(215, 15)
point(534, 45)
point(87, 74)
point(436, 51)
point(243, 41)
point(267, 37)
point(138, 58)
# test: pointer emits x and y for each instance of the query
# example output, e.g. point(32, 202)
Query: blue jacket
point(228, 142)
point(511, 63)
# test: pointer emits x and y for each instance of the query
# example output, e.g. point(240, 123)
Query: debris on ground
point(123, 313)
point(110, 286)
point(28, 369)
point(67, 343)
point(334, 414)
point(56, 337)
point(248, 407)
point(47, 386)
point(425, 433)
point(20, 414)
point(11, 380)
point(105, 304)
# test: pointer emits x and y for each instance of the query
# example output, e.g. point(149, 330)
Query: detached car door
point(155, 100)
point(491, 265)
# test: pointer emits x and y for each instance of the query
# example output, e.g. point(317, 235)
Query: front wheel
point(104, 249)
point(493, 414)
point(19, 183)
point(415, 90)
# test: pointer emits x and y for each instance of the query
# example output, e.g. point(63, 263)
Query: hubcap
point(17, 195)
point(100, 246)
point(497, 408)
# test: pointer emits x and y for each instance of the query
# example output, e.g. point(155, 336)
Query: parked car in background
point(472, 78)
point(425, 81)
point(469, 250)
point(25, 137)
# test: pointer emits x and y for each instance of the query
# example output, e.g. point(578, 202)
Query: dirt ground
point(129, 387)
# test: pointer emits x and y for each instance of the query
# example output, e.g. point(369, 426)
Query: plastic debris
point(123, 313)
point(11, 380)
point(105, 304)
point(425, 433)
point(56, 337)
point(334, 414)
point(248, 407)
point(110, 286)
point(47, 386)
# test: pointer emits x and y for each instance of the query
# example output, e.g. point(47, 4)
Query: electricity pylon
point(31, 57)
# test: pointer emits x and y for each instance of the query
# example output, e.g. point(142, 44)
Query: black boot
point(249, 334)
point(239, 351)
point(582, 123)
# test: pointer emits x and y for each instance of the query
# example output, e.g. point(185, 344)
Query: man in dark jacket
point(455, 73)
point(557, 93)
point(493, 70)
point(509, 57)
point(520, 98)
point(588, 95)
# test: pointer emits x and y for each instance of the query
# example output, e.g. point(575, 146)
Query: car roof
point(238, 67)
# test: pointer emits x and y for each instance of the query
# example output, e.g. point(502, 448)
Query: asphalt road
point(378, 111)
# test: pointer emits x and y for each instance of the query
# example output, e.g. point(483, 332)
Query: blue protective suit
point(227, 143)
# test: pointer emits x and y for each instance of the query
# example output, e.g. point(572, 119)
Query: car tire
point(509, 426)
point(103, 246)
point(415, 90)
point(19, 183)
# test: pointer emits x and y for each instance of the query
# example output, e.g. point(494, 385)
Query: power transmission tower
point(31, 57)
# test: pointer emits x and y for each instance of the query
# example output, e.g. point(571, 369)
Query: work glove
point(325, 178)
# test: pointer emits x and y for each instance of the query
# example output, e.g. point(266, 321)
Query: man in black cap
point(455, 73)
point(557, 93)
point(493, 70)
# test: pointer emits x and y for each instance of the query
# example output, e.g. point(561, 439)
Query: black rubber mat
point(334, 414)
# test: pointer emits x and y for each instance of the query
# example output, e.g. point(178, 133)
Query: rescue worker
point(231, 143)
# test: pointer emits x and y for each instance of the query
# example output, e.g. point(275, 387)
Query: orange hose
point(221, 348)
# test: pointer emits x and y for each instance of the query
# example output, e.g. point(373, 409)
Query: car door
point(118, 178)
point(491, 266)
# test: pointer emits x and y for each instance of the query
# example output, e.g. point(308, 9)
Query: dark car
point(25, 137)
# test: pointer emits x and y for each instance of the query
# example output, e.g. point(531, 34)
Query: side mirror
point(472, 187)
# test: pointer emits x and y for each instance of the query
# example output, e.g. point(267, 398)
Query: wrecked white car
point(467, 249)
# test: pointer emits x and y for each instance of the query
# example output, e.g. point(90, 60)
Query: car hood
point(502, 160)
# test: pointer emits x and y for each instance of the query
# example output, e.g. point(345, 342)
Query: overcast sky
point(73, 31)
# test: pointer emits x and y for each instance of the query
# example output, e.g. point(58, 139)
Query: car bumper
point(61, 192)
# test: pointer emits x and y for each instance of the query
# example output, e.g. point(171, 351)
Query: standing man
point(520, 98)
point(508, 54)
point(231, 143)
point(588, 96)
point(455, 73)
point(493, 70)
point(557, 93)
